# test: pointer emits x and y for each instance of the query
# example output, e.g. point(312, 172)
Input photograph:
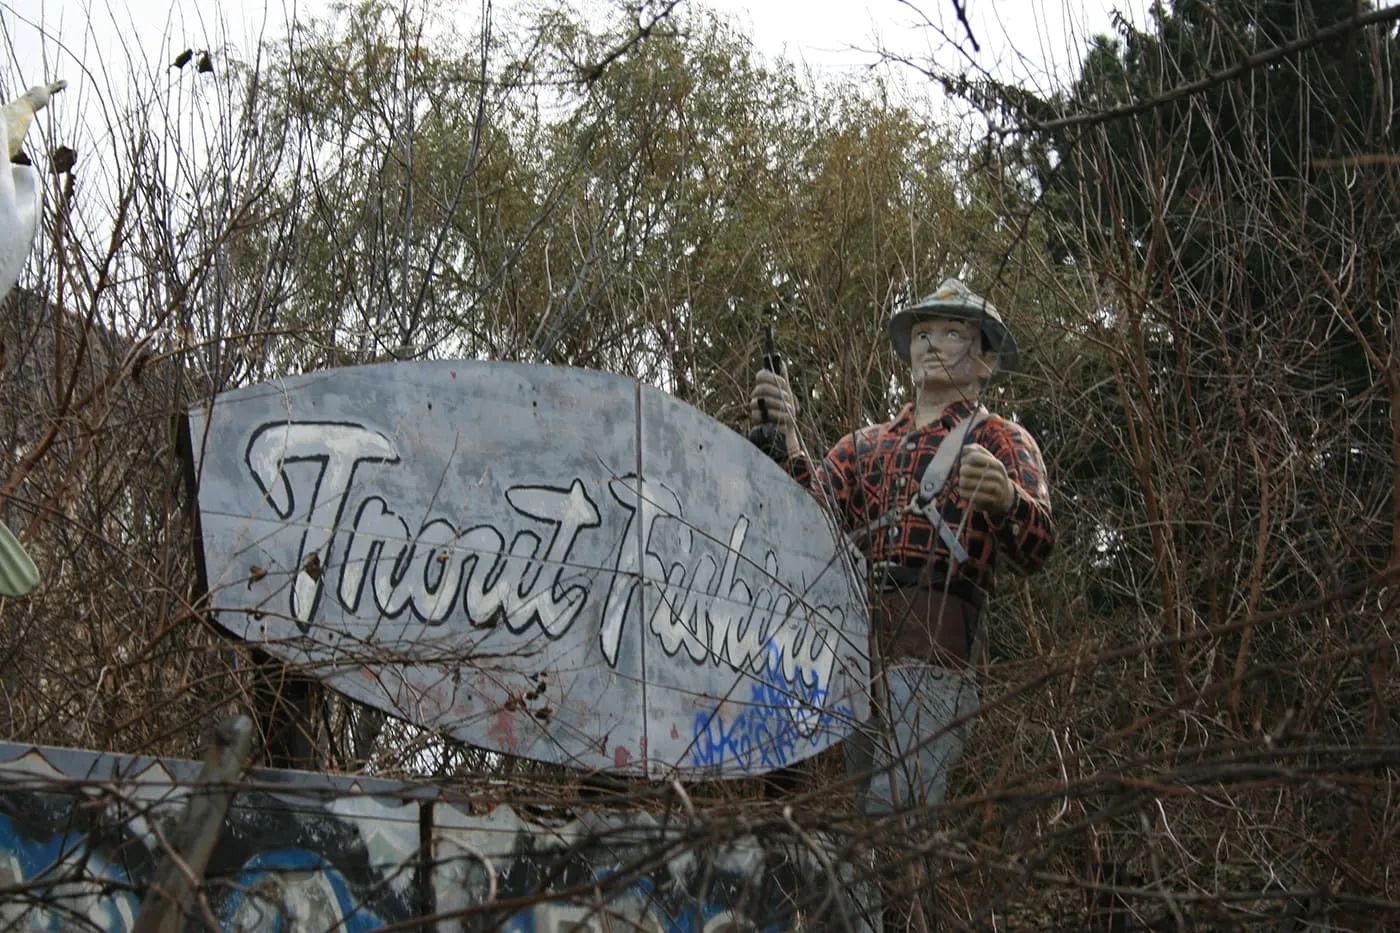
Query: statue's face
point(947, 353)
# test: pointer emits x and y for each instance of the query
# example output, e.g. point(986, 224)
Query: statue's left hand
point(984, 482)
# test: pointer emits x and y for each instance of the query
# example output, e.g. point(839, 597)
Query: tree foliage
point(1218, 200)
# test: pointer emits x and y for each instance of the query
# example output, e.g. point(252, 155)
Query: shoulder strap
point(931, 484)
point(936, 473)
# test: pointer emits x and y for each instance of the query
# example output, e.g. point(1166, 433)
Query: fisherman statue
point(939, 500)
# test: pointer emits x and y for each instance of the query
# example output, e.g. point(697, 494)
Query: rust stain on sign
point(502, 729)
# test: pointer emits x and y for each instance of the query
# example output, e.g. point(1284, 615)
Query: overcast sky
point(104, 48)
point(1020, 40)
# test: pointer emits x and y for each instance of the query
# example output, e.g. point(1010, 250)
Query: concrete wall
point(80, 836)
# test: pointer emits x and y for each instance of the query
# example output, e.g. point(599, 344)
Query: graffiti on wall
point(746, 734)
point(548, 562)
point(80, 838)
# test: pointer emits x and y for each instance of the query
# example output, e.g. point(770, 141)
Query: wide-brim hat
point(955, 300)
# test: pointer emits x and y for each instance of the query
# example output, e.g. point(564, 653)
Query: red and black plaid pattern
point(878, 468)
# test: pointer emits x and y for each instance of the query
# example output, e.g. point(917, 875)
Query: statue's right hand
point(771, 392)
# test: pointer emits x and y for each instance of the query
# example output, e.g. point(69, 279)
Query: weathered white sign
point(554, 563)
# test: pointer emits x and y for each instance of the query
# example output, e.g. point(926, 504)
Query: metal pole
point(171, 891)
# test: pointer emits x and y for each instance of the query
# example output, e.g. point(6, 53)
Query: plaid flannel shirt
point(878, 468)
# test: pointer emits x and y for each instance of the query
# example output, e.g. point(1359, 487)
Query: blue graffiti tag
point(293, 889)
point(69, 886)
point(783, 722)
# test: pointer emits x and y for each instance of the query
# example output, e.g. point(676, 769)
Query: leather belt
point(915, 617)
point(885, 576)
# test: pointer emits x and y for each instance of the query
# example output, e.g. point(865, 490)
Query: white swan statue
point(21, 200)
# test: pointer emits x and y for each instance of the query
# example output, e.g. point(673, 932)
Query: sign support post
point(168, 899)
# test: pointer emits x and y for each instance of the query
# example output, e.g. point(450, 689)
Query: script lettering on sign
point(433, 571)
point(728, 610)
point(549, 562)
point(335, 450)
point(706, 609)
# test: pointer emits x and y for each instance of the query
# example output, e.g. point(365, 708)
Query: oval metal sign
point(555, 563)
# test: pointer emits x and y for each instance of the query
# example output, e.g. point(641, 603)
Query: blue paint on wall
point(277, 891)
point(290, 859)
point(783, 721)
point(51, 878)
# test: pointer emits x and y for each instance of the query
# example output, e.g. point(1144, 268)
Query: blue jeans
point(901, 765)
